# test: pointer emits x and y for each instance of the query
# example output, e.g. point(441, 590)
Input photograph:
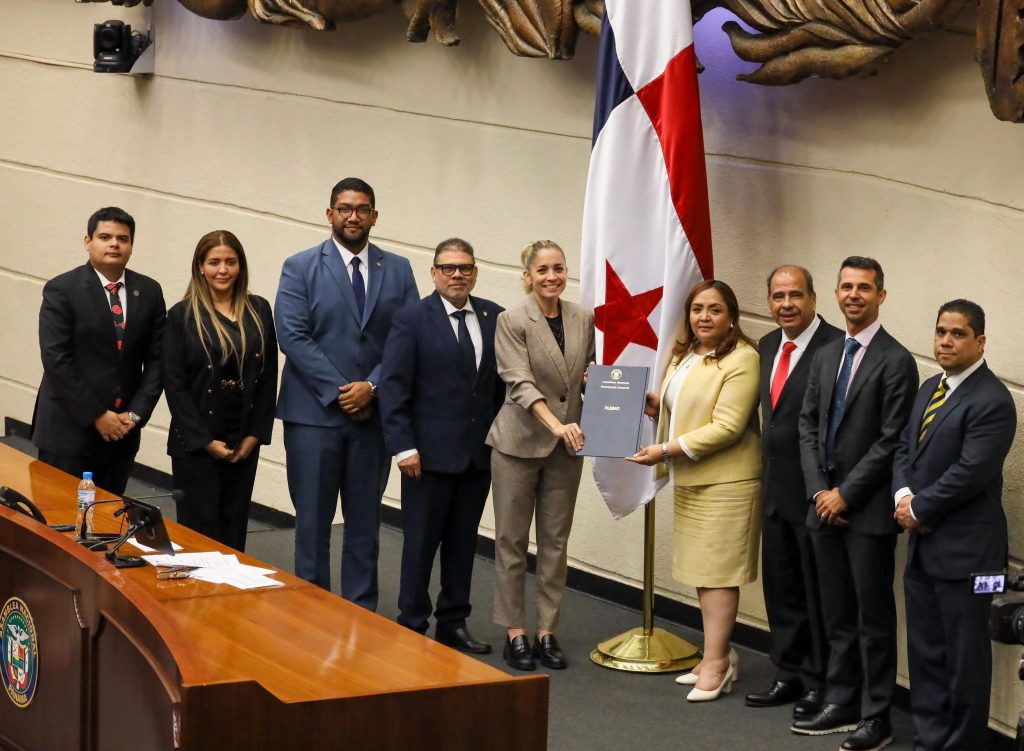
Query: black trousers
point(793, 602)
point(111, 465)
point(855, 573)
point(217, 495)
point(439, 510)
point(950, 657)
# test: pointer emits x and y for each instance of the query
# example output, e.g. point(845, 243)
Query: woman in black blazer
point(220, 378)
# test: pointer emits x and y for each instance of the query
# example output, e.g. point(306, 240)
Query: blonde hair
point(200, 300)
point(530, 252)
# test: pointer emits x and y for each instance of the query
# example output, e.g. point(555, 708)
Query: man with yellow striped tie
point(948, 484)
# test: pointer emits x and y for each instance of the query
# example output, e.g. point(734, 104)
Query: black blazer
point(192, 381)
point(82, 368)
point(956, 476)
point(783, 481)
point(428, 400)
point(877, 406)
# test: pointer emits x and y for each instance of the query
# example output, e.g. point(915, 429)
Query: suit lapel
point(374, 258)
point(547, 339)
point(773, 342)
point(99, 301)
point(331, 258)
point(488, 324)
point(947, 408)
point(442, 327)
point(874, 357)
point(798, 374)
point(134, 302)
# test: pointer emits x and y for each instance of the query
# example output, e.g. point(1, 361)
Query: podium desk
point(126, 661)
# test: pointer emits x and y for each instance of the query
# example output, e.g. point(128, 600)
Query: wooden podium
point(128, 661)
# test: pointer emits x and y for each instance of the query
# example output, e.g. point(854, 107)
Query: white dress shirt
point(122, 293)
point(364, 261)
point(801, 343)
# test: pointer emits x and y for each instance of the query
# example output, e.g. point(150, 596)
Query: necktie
point(838, 407)
point(115, 307)
point(781, 372)
point(466, 351)
point(358, 286)
point(937, 400)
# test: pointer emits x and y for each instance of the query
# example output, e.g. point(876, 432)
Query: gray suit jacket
point(877, 407)
point(533, 368)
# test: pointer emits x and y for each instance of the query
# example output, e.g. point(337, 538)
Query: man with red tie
point(100, 332)
point(789, 575)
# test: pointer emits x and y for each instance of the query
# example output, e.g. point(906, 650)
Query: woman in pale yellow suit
point(543, 348)
point(708, 434)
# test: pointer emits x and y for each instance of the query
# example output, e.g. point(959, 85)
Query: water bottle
point(86, 496)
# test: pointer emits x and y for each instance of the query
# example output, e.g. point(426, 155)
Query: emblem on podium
point(19, 652)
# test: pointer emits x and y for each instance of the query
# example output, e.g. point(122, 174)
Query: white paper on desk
point(199, 560)
point(235, 578)
point(146, 549)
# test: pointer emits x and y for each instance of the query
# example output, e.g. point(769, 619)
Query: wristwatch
point(373, 389)
point(134, 417)
point(664, 453)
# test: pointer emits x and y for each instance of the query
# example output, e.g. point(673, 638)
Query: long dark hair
point(689, 340)
point(200, 301)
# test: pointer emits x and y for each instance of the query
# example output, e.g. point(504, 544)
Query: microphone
point(83, 535)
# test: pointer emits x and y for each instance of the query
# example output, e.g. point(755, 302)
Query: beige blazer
point(716, 415)
point(533, 368)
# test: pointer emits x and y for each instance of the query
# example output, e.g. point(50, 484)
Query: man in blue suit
point(948, 490)
point(439, 393)
point(334, 307)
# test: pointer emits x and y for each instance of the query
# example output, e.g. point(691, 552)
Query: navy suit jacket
point(956, 475)
point(431, 402)
point(783, 482)
point(82, 368)
point(326, 342)
point(877, 406)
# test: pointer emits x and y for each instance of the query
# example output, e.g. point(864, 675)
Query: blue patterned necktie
point(838, 407)
point(358, 286)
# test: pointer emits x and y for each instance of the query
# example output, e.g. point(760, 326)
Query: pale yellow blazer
point(716, 414)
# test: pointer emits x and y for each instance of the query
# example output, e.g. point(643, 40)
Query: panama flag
point(646, 225)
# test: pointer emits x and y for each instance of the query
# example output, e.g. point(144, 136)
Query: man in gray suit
point(858, 398)
point(334, 307)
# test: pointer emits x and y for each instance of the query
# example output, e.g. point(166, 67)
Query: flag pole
point(647, 649)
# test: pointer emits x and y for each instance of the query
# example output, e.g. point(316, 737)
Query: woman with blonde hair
point(543, 348)
point(220, 378)
point(708, 439)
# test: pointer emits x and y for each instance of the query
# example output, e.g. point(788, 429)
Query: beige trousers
point(523, 488)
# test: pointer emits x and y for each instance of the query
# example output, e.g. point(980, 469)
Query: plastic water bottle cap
point(87, 475)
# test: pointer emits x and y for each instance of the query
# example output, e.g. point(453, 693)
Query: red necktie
point(781, 372)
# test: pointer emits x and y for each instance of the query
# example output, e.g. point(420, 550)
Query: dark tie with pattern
point(937, 400)
point(118, 312)
point(838, 407)
point(358, 285)
point(465, 342)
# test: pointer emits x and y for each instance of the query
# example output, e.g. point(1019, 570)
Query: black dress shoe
point(546, 649)
point(461, 639)
point(808, 705)
point(871, 735)
point(781, 692)
point(517, 653)
point(832, 718)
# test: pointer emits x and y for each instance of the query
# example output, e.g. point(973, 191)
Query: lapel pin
point(485, 314)
point(379, 264)
point(135, 293)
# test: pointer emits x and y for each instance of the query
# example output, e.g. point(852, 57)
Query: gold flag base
point(646, 651)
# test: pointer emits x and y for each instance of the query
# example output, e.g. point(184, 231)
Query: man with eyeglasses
point(335, 302)
point(439, 393)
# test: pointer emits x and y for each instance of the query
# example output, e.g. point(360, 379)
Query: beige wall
point(247, 127)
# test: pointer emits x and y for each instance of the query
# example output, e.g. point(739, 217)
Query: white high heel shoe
point(725, 687)
point(690, 679)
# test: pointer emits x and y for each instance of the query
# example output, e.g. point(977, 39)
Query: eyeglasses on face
point(345, 210)
point(448, 269)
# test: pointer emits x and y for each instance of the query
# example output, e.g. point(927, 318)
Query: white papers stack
point(146, 549)
point(218, 568)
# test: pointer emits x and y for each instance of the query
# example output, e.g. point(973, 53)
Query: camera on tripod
point(1006, 615)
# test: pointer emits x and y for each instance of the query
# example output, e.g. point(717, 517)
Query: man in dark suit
point(858, 398)
point(334, 307)
point(439, 393)
point(789, 575)
point(100, 333)
point(948, 487)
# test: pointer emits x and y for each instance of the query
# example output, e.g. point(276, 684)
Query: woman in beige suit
point(543, 349)
point(708, 433)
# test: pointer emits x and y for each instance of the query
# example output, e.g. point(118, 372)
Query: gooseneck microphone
point(84, 538)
